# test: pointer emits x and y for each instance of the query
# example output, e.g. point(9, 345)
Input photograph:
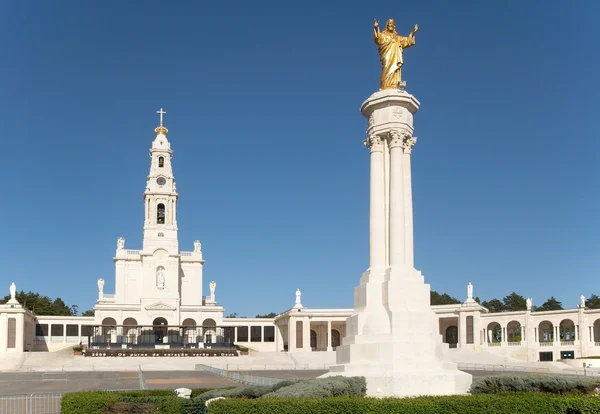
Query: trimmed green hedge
point(100, 402)
point(513, 403)
point(516, 383)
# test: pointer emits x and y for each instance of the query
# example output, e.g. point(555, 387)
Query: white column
point(376, 208)
point(306, 335)
point(329, 346)
point(291, 334)
point(64, 333)
point(397, 218)
point(409, 143)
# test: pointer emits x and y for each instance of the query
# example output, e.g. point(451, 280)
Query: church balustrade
point(185, 253)
point(160, 337)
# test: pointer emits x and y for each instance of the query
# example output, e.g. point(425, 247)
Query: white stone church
point(159, 304)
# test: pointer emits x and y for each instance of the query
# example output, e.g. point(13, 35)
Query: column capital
point(402, 139)
point(374, 143)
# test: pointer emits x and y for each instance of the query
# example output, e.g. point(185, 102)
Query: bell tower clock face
point(161, 181)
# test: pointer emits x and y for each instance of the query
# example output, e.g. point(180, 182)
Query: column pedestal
point(393, 336)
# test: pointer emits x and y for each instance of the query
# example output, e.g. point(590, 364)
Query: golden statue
point(391, 46)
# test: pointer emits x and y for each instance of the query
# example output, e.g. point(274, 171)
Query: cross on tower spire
point(161, 113)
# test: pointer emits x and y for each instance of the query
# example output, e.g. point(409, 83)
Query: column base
point(385, 379)
point(407, 360)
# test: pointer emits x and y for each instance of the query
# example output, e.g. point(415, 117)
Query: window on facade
point(41, 329)
point(242, 334)
point(255, 333)
point(269, 334)
point(160, 214)
point(469, 329)
point(56, 330)
point(12, 333)
point(161, 162)
point(72, 330)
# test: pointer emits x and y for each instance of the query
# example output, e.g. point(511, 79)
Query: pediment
point(160, 306)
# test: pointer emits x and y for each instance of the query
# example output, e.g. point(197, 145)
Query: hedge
point(515, 383)
point(314, 388)
point(513, 403)
point(101, 402)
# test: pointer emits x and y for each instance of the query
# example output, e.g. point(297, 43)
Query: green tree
point(494, 305)
point(89, 312)
point(445, 299)
point(233, 315)
point(550, 305)
point(514, 302)
point(43, 305)
point(268, 315)
point(593, 302)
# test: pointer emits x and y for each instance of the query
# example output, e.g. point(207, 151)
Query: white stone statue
point(528, 302)
point(100, 288)
point(582, 301)
point(470, 292)
point(197, 246)
point(298, 296)
point(160, 278)
point(120, 243)
point(212, 286)
point(13, 291)
point(489, 336)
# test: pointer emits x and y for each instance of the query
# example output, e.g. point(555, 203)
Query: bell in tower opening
point(160, 214)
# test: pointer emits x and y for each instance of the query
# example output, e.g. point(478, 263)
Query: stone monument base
point(407, 360)
point(403, 378)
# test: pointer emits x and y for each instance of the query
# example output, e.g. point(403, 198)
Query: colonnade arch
point(566, 330)
point(494, 332)
point(545, 331)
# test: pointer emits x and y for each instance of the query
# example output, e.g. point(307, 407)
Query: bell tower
point(160, 197)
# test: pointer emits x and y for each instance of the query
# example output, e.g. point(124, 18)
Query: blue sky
point(262, 102)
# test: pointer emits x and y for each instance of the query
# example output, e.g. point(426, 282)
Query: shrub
point(513, 403)
point(514, 383)
point(323, 387)
point(100, 402)
point(197, 391)
point(126, 408)
point(253, 391)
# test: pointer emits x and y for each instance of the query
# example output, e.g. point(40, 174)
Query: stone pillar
point(462, 329)
point(306, 335)
point(377, 245)
point(64, 333)
point(329, 343)
point(409, 256)
point(291, 334)
point(397, 202)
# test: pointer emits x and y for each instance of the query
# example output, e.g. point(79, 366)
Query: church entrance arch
point(335, 338)
point(209, 328)
point(189, 331)
point(159, 326)
point(452, 336)
point(313, 340)
point(130, 330)
point(109, 331)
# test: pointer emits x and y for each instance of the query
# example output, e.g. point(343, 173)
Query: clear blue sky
point(262, 102)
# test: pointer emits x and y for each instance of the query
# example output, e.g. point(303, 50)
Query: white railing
point(597, 343)
point(549, 343)
point(514, 343)
point(133, 252)
point(38, 403)
point(494, 343)
point(241, 378)
point(185, 253)
point(267, 367)
point(567, 343)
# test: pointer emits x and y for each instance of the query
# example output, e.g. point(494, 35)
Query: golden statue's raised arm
point(391, 46)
